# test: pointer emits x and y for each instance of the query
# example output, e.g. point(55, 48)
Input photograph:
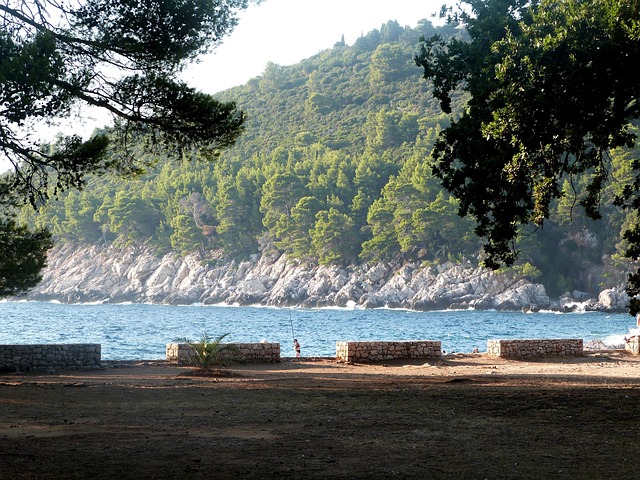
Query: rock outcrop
point(94, 274)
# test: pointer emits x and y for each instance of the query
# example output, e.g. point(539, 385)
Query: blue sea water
point(140, 331)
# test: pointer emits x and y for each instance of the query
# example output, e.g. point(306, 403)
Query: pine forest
point(333, 167)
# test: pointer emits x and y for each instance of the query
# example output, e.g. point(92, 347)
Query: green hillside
point(333, 167)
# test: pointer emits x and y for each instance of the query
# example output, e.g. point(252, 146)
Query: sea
point(141, 331)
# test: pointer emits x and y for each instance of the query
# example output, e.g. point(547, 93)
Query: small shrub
point(209, 351)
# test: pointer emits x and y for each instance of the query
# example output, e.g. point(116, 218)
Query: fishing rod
point(293, 335)
point(296, 345)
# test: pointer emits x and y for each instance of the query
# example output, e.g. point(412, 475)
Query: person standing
point(296, 347)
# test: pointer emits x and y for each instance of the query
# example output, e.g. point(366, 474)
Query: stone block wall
point(243, 352)
point(379, 350)
point(535, 347)
point(49, 356)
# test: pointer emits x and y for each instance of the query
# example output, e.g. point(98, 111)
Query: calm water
point(134, 331)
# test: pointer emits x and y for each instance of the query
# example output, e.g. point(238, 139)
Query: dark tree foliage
point(122, 56)
point(23, 257)
point(552, 89)
point(119, 56)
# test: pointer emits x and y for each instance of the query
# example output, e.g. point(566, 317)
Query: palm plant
point(209, 351)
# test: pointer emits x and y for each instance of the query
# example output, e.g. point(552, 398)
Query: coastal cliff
point(78, 273)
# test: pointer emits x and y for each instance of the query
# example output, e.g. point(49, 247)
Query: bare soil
point(466, 416)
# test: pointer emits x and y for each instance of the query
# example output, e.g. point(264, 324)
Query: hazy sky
point(287, 31)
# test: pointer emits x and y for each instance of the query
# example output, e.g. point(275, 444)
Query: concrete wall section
point(380, 350)
point(535, 347)
point(49, 356)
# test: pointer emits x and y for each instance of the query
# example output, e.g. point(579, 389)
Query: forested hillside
point(333, 167)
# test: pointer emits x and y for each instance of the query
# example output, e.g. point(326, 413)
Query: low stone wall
point(379, 350)
point(49, 356)
point(184, 354)
point(535, 347)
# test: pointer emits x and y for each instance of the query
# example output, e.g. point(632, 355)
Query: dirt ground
point(466, 416)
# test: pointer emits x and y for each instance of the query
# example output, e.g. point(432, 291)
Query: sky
point(287, 31)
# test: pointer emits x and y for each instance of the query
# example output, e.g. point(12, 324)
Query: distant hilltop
point(333, 167)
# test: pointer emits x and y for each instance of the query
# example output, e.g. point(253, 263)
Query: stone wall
point(184, 354)
point(378, 350)
point(535, 347)
point(52, 356)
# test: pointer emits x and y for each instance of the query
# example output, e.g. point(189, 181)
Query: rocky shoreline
point(89, 273)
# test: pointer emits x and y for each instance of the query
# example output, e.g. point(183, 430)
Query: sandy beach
point(464, 416)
